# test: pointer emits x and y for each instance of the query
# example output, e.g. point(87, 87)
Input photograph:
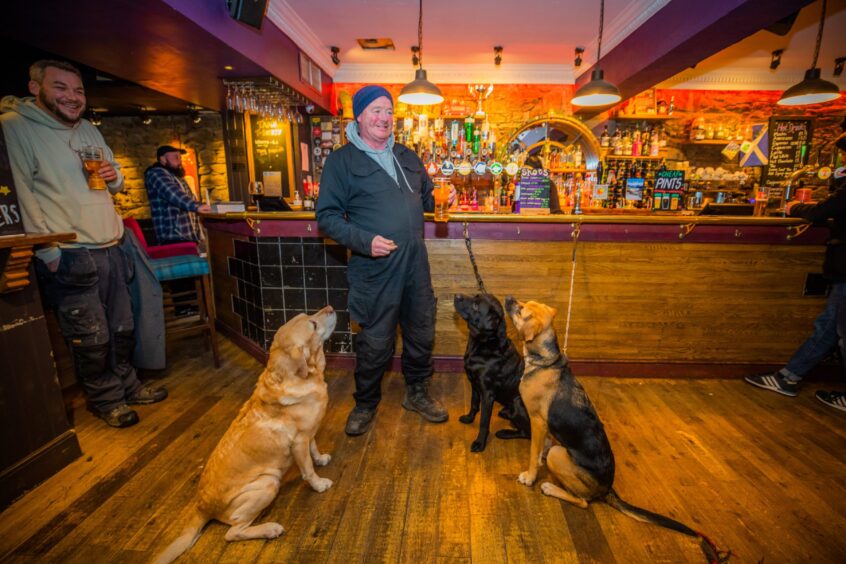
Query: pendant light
point(420, 92)
point(597, 92)
point(812, 89)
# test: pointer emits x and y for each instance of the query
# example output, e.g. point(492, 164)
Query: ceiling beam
point(680, 35)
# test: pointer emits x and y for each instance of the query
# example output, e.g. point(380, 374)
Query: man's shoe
point(120, 416)
point(837, 400)
point(147, 394)
point(417, 399)
point(776, 383)
point(359, 421)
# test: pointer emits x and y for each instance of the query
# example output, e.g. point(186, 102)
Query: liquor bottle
point(577, 157)
point(468, 129)
point(618, 143)
point(672, 106)
point(627, 144)
point(477, 140)
point(605, 139)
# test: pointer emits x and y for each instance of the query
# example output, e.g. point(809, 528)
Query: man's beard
point(54, 108)
point(176, 170)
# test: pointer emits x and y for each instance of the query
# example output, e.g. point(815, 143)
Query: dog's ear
point(531, 328)
point(298, 356)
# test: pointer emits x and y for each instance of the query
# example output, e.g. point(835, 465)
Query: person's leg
point(835, 398)
point(417, 321)
point(787, 380)
point(74, 292)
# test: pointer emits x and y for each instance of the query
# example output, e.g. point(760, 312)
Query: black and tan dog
point(582, 462)
point(494, 368)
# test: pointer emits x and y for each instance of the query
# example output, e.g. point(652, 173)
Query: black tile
point(255, 316)
point(274, 319)
point(268, 254)
point(268, 241)
point(251, 274)
point(315, 277)
point(313, 254)
point(272, 299)
point(338, 299)
point(239, 269)
point(340, 342)
point(253, 253)
point(242, 249)
point(336, 277)
point(245, 327)
point(271, 276)
point(315, 300)
point(336, 255)
point(254, 295)
point(342, 322)
point(295, 299)
point(242, 289)
point(291, 240)
point(292, 277)
point(239, 306)
point(291, 255)
point(233, 266)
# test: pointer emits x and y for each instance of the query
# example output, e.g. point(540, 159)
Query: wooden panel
point(643, 302)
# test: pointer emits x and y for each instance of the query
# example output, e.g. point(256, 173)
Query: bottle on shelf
point(605, 139)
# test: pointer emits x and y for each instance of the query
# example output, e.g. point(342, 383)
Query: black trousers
point(382, 297)
point(90, 295)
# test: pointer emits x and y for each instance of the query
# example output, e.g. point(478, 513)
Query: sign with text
point(668, 190)
point(790, 138)
point(534, 191)
point(10, 214)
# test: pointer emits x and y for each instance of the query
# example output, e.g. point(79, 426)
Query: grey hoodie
point(49, 179)
point(383, 157)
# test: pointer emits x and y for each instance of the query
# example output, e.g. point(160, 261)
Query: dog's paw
point(320, 484)
point(477, 446)
point(466, 419)
point(273, 530)
point(547, 488)
point(526, 478)
point(323, 459)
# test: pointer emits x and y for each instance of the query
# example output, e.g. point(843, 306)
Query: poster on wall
point(270, 151)
point(790, 140)
point(11, 224)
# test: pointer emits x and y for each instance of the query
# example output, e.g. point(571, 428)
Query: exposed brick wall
point(135, 145)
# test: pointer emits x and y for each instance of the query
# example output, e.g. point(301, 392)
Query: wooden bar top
point(34, 239)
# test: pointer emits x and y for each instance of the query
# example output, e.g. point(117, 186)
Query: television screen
point(250, 12)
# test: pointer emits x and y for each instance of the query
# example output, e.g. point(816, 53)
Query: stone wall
point(134, 145)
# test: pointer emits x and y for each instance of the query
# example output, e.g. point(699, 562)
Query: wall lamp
point(775, 61)
point(579, 52)
point(498, 55)
point(335, 58)
point(838, 65)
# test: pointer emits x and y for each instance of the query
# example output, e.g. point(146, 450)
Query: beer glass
point(441, 194)
point(92, 160)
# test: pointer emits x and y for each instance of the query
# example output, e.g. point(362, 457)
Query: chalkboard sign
point(10, 211)
point(668, 191)
point(270, 142)
point(790, 138)
point(534, 191)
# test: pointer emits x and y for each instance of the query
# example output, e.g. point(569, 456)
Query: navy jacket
point(834, 208)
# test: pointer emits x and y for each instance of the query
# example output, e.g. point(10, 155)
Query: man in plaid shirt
point(172, 204)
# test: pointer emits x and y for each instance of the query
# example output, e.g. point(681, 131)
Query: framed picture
point(316, 77)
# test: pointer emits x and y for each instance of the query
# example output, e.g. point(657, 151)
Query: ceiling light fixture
point(775, 61)
point(579, 52)
point(597, 92)
point(335, 58)
point(498, 55)
point(812, 89)
point(420, 92)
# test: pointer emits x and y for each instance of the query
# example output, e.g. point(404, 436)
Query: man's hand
point(203, 208)
point(107, 172)
point(53, 265)
point(381, 247)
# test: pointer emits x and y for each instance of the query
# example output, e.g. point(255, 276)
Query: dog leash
point(577, 229)
point(473, 258)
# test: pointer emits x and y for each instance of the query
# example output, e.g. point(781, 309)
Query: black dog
point(494, 368)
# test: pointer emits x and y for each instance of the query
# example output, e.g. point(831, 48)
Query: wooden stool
point(184, 267)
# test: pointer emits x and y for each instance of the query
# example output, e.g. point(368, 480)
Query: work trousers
point(90, 295)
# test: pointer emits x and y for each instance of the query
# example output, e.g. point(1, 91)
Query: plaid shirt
point(172, 206)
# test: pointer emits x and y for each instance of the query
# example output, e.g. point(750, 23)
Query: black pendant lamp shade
point(420, 92)
point(812, 89)
point(597, 92)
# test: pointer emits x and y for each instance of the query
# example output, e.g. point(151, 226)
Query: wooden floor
point(760, 473)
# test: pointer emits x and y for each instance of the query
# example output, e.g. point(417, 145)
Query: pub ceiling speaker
point(250, 12)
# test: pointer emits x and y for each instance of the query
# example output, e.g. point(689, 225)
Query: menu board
point(534, 191)
point(10, 214)
point(790, 138)
point(271, 149)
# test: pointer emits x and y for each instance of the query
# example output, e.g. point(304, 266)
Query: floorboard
point(761, 474)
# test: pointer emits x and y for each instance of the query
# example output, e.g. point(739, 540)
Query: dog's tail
point(189, 535)
point(712, 553)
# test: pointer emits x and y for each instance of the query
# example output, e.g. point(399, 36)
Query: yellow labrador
point(275, 426)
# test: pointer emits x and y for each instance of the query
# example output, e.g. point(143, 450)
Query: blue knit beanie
point(365, 96)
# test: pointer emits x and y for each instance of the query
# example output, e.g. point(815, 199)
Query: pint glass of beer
point(441, 194)
point(92, 160)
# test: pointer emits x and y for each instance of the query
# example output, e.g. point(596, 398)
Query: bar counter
point(667, 295)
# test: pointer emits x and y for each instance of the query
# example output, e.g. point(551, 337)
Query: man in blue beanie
point(373, 193)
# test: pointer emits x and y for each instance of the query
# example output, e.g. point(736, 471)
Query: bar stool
point(178, 261)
